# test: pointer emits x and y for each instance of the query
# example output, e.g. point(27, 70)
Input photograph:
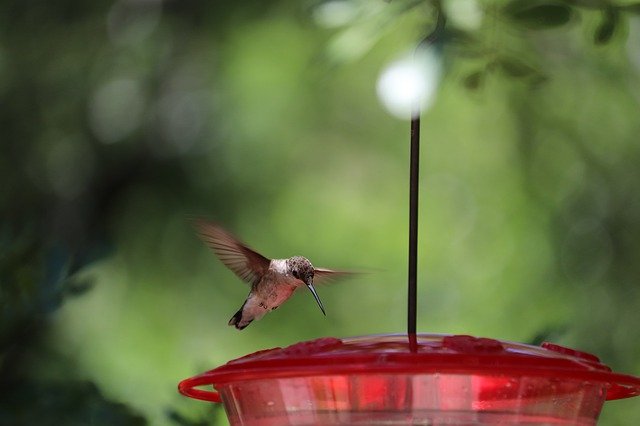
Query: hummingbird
point(272, 281)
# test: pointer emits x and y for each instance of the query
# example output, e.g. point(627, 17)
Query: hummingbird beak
point(315, 296)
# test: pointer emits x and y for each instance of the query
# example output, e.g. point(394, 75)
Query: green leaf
point(77, 287)
point(474, 80)
point(456, 36)
point(464, 43)
point(538, 15)
point(515, 68)
point(607, 27)
point(538, 80)
point(631, 8)
point(586, 4)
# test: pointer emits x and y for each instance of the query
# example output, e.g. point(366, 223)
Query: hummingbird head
point(303, 270)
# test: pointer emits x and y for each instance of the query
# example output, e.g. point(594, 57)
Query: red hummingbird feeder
point(416, 379)
point(432, 380)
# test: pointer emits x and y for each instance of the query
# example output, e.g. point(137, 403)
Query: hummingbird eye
point(295, 274)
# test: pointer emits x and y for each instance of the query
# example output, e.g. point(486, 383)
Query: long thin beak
point(315, 296)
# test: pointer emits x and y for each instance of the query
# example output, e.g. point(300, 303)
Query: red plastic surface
point(435, 354)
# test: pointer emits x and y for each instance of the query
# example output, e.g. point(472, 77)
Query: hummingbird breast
point(275, 288)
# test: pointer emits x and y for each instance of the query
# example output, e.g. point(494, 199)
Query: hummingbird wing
point(325, 276)
point(246, 263)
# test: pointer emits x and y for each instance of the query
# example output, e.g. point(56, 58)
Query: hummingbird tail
point(236, 320)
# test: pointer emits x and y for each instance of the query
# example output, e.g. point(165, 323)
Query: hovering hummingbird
point(272, 281)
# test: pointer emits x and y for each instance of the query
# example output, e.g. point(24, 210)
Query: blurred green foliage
point(122, 119)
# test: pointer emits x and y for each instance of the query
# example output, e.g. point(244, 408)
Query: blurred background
point(286, 121)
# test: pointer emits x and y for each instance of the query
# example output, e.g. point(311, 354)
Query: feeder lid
point(427, 353)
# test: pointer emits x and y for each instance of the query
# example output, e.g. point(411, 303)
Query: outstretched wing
point(325, 276)
point(246, 263)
